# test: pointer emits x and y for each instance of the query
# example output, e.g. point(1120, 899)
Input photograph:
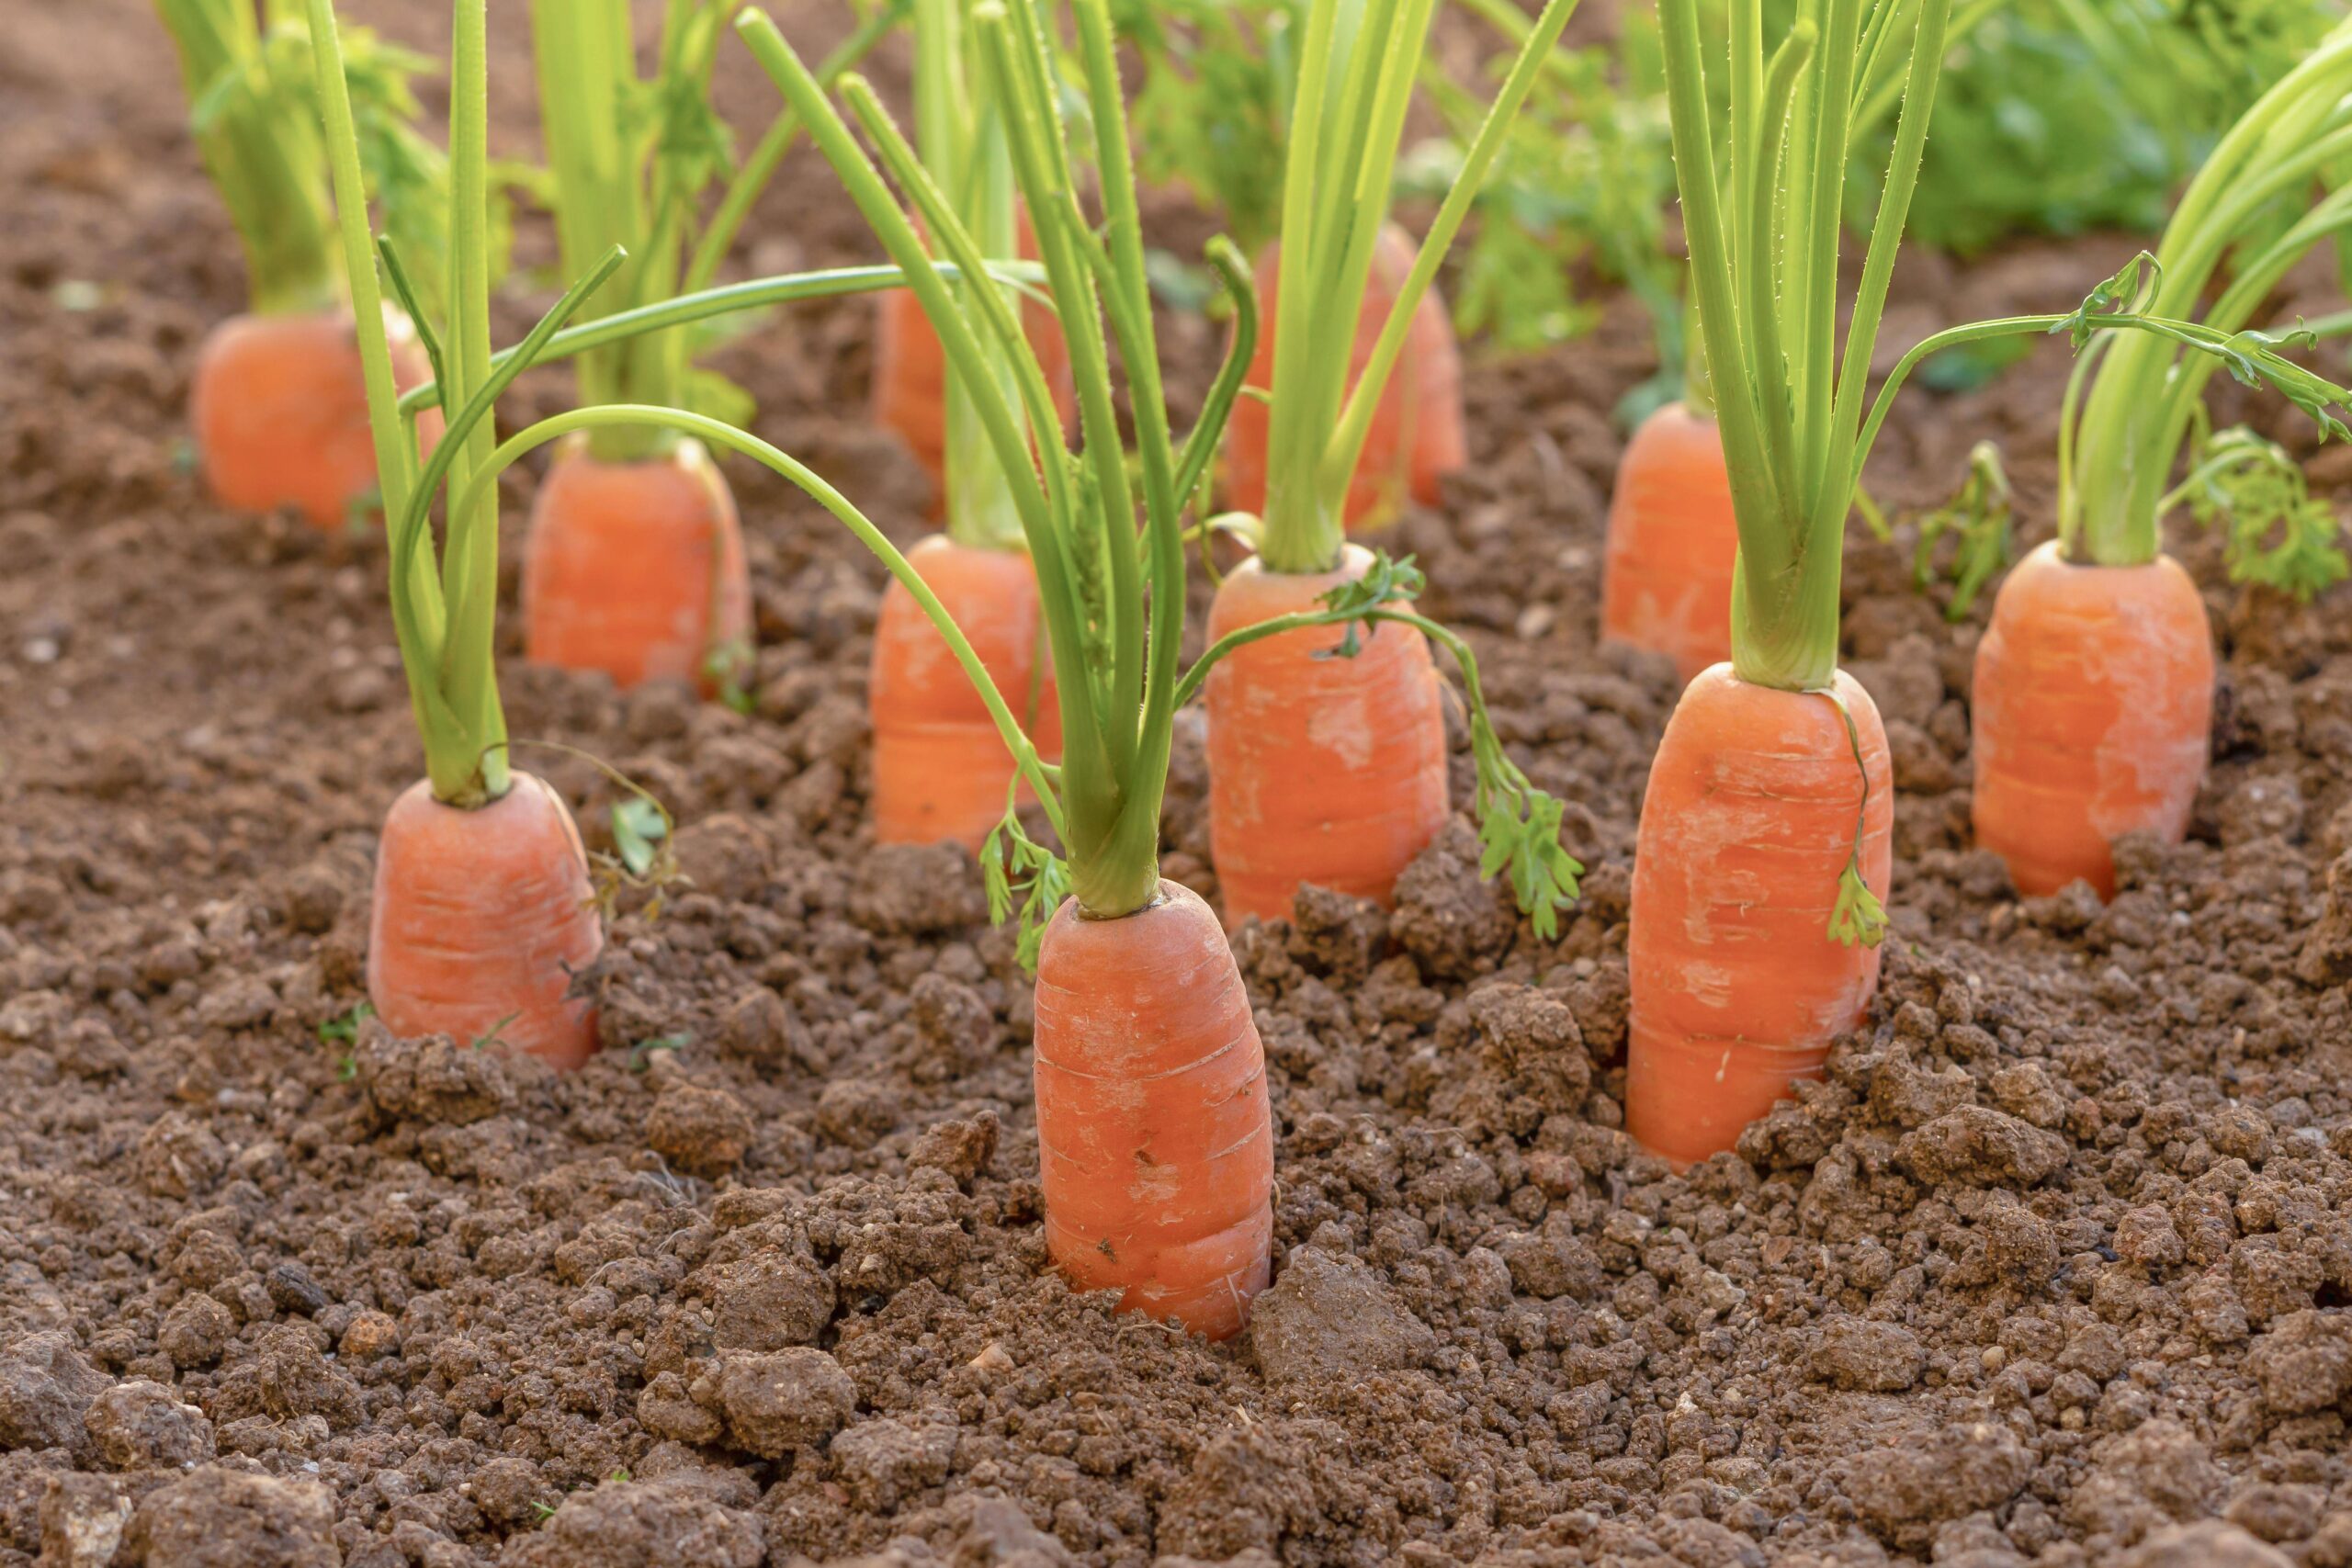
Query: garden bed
point(2048, 1267)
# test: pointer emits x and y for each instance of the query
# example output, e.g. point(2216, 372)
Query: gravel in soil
point(2053, 1267)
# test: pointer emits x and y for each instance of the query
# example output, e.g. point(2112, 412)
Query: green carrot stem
point(721, 436)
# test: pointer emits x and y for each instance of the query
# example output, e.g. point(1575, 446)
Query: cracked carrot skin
point(1155, 1138)
point(279, 409)
point(480, 920)
point(1746, 827)
point(1416, 434)
point(635, 569)
point(2093, 710)
point(1666, 571)
point(1324, 770)
point(941, 771)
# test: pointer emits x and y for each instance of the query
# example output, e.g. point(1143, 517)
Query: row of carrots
point(1026, 657)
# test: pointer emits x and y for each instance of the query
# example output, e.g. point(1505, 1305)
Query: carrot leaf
point(1014, 865)
point(1978, 517)
point(1859, 916)
point(2281, 534)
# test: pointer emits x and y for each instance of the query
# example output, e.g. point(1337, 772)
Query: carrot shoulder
point(481, 919)
point(941, 771)
point(1667, 571)
point(1155, 1138)
point(1748, 825)
point(2092, 702)
point(279, 408)
point(1322, 769)
point(635, 568)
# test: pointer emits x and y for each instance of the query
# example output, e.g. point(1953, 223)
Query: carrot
point(635, 567)
point(1415, 436)
point(281, 413)
point(1763, 853)
point(940, 773)
point(2094, 694)
point(1155, 1147)
point(1666, 571)
point(911, 370)
point(277, 406)
point(481, 920)
point(1321, 769)
point(2094, 683)
point(1754, 795)
point(1327, 750)
point(1156, 1136)
point(483, 910)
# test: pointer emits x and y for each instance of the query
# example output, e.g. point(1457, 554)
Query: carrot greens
point(249, 80)
point(631, 158)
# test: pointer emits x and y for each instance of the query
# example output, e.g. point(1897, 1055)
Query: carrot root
point(279, 410)
point(480, 920)
point(2093, 706)
point(1748, 824)
point(941, 771)
point(635, 569)
point(1324, 770)
point(1155, 1137)
point(1666, 571)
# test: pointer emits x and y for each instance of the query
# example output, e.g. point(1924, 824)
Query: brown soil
point(2054, 1268)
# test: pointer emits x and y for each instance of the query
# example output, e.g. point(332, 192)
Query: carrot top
point(1356, 72)
point(249, 83)
point(962, 134)
point(2145, 402)
point(631, 158)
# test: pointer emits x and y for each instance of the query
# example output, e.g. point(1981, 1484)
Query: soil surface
point(2055, 1267)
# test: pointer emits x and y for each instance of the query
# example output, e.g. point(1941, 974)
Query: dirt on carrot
point(2051, 1269)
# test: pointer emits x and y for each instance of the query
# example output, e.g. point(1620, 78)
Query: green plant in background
point(254, 109)
point(1217, 80)
point(1978, 521)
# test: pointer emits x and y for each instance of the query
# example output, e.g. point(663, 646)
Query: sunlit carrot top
point(249, 83)
point(2226, 244)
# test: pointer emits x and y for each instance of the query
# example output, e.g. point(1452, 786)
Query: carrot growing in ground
point(483, 907)
point(278, 403)
point(1155, 1141)
point(939, 769)
point(634, 564)
point(1666, 565)
point(2094, 685)
point(1326, 769)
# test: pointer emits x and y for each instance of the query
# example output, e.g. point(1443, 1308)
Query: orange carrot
point(1415, 436)
point(1666, 578)
point(941, 771)
point(481, 919)
point(2093, 698)
point(1321, 769)
point(636, 569)
point(280, 411)
point(1156, 1144)
point(1746, 827)
point(911, 370)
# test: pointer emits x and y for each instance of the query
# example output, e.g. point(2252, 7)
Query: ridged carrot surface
point(1746, 827)
point(1417, 435)
point(279, 408)
point(910, 368)
point(2093, 706)
point(941, 771)
point(1667, 573)
point(635, 569)
point(1155, 1139)
point(480, 920)
point(1323, 770)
